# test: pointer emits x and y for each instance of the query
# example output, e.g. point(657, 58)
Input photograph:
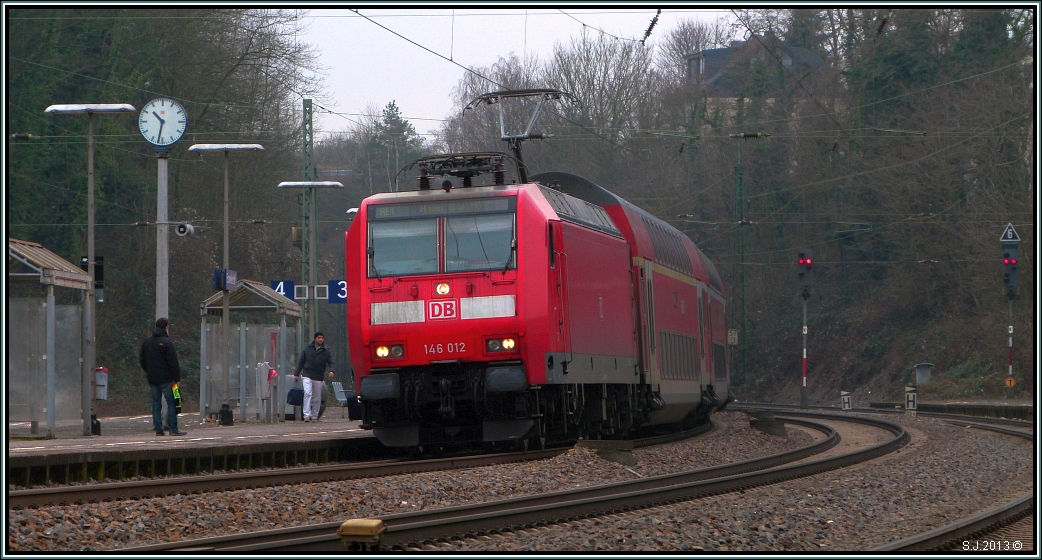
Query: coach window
point(479, 242)
point(403, 247)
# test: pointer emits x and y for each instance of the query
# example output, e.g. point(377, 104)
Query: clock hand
point(161, 121)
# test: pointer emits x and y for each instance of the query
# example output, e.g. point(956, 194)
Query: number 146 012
point(449, 348)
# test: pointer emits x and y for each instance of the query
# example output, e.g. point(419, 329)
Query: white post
point(202, 369)
point(162, 241)
point(52, 362)
point(242, 372)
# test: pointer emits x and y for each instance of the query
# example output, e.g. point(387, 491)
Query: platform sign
point(225, 280)
point(283, 287)
point(338, 291)
point(910, 399)
point(732, 337)
point(844, 399)
point(1011, 382)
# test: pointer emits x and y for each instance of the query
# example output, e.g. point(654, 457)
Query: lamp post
point(89, 331)
point(225, 319)
point(312, 256)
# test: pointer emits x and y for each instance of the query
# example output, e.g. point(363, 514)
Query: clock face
point(163, 121)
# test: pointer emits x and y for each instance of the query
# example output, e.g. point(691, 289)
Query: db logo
point(441, 309)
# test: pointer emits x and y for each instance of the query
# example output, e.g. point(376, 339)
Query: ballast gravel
point(115, 525)
point(949, 474)
point(954, 473)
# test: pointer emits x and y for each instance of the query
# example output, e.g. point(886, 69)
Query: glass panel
point(478, 242)
point(404, 247)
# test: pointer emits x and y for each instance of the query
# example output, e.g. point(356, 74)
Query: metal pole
point(803, 389)
point(202, 369)
point(312, 302)
point(162, 241)
point(52, 359)
point(1010, 302)
point(242, 372)
point(276, 391)
point(225, 315)
point(88, 371)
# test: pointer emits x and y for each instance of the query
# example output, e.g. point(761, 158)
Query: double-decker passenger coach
point(526, 312)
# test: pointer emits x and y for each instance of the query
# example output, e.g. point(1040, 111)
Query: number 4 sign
point(283, 287)
point(337, 291)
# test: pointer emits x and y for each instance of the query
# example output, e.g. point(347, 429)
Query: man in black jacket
point(159, 360)
point(314, 360)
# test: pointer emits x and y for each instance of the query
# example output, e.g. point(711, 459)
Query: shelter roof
point(45, 266)
point(252, 295)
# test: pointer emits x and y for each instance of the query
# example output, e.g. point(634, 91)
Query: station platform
point(128, 448)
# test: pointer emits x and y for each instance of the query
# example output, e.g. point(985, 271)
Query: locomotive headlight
point(397, 351)
point(442, 289)
point(382, 351)
point(500, 344)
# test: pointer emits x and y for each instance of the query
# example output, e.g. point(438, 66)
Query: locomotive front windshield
point(442, 237)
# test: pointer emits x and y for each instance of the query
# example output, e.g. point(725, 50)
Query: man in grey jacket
point(313, 361)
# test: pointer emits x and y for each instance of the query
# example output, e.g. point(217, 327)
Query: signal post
point(804, 280)
point(1010, 280)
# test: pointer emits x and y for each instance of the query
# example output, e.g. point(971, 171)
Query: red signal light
point(1014, 261)
point(809, 261)
point(802, 261)
point(1005, 261)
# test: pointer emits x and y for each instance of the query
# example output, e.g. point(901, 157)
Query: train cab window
point(403, 247)
point(442, 237)
point(479, 242)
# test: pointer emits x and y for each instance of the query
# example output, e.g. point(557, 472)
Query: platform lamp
point(312, 256)
point(89, 331)
point(225, 318)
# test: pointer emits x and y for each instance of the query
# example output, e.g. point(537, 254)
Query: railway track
point(240, 480)
point(416, 528)
point(1007, 422)
point(998, 529)
point(980, 533)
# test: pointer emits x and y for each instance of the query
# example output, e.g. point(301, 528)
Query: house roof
point(251, 295)
point(719, 64)
point(45, 266)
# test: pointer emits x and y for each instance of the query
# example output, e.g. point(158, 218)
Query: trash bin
point(101, 384)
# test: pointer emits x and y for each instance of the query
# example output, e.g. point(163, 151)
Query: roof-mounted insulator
point(499, 174)
point(424, 180)
point(447, 185)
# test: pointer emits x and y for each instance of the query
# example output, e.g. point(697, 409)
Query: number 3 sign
point(337, 291)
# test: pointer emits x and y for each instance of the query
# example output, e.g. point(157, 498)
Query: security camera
point(184, 228)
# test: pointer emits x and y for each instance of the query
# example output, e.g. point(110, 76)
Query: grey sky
point(367, 64)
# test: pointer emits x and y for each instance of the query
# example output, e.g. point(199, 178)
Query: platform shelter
point(46, 372)
point(247, 387)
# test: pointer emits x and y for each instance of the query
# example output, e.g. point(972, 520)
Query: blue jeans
point(160, 392)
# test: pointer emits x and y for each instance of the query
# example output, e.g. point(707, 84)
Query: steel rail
point(409, 529)
point(159, 487)
point(1011, 422)
point(981, 523)
point(671, 438)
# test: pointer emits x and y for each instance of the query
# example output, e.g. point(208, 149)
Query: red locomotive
point(530, 312)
